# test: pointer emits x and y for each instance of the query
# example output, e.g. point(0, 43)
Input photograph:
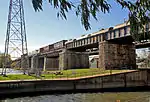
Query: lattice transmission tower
point(16, 42)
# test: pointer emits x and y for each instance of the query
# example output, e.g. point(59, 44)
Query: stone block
point(112, 55)
point(51, 63)
point(71, 60)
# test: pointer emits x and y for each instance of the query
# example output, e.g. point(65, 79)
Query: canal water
point(82, 97)
point(87, 97)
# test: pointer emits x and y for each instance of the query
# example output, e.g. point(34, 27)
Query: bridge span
point(115, 47)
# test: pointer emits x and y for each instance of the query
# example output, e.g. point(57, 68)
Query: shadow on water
point(87, 91)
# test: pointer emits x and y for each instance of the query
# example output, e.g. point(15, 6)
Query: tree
point(2, 58)
point(13, 65)
point(139, 10)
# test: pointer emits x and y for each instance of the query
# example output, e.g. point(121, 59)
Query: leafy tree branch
point(139, 10)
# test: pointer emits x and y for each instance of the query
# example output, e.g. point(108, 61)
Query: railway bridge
point(115, 47)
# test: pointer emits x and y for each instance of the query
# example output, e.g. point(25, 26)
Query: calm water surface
point(87, 97)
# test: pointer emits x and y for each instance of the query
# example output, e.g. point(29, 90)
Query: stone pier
point(51, 63)
point(71, 60)
point(34, 61)
point(116, 56)
point(24, 62)
point(35, 64)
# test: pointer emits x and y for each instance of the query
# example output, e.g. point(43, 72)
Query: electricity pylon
point(16, 42)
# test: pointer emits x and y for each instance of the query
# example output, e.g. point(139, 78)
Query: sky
point(45, 28)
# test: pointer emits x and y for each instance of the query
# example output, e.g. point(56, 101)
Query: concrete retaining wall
point(122, 80)
point(131, 79)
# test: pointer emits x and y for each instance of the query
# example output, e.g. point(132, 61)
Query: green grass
point(79, 73)
point(17, 77)
point(74, 73)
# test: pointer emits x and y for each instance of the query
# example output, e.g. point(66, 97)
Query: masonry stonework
point(116, 56)
point(51, 63)
point(70, 60)
point(24, 62)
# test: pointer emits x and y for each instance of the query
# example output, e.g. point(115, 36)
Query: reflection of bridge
point(114, 45)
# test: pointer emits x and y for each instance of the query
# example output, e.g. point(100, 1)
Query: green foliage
point(2, 59)
point(139, 10)
point(84, 8)
point(139, 16)
point(18, 68)
point(66, 74)
point(13, 64)
point(17, 77)
point(37, 4)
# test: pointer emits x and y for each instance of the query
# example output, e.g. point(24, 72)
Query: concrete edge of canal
point(119, 82)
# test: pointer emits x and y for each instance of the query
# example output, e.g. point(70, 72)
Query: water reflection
point(87, 97)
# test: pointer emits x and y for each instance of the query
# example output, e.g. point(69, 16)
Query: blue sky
point(44, 27)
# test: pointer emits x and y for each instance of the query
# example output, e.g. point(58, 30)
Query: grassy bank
point(79, 73)
point(17, 77)
point(65, 74)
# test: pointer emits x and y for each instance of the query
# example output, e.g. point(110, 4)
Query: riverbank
point(66, 74)
point(125, 81)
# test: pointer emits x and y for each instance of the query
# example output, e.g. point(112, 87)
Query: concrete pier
point(51, 63)
point(34, 64)
point(71, 60)
point(116, 56)
point(65, 60)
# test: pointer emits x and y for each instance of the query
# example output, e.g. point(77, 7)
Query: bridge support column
point(51, 63)
point(24, 62)
point(44, 67)
point(116, 56)
point(72, 60)
point(34, 64)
